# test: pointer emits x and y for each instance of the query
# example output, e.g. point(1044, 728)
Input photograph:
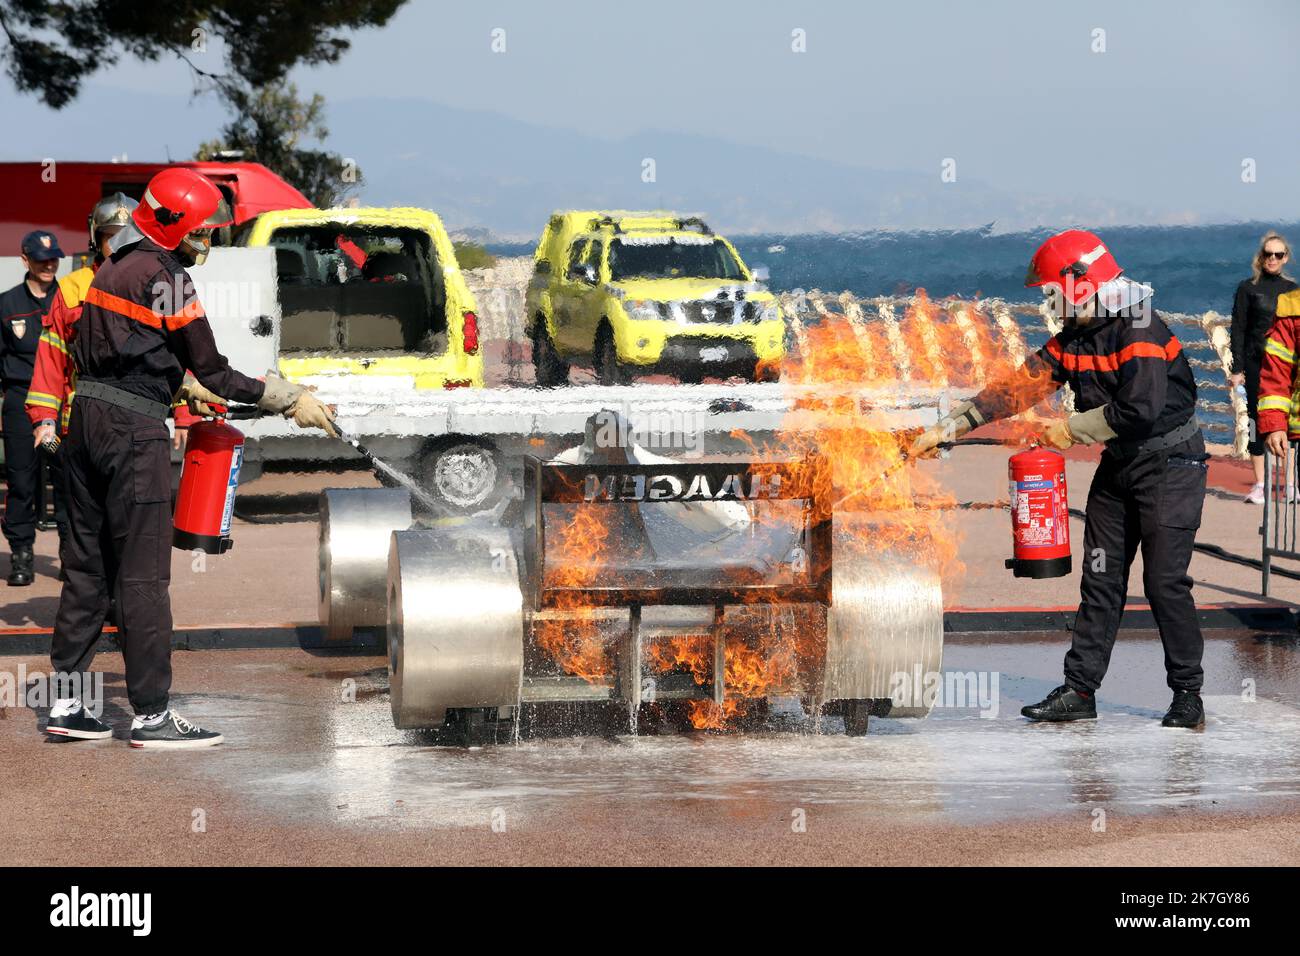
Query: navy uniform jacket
point(1133, 365)
point(21, 317)
point(142, 326)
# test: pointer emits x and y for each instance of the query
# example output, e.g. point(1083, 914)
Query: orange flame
point(856, 474)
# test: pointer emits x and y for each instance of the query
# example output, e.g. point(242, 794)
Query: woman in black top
point(1252, 316)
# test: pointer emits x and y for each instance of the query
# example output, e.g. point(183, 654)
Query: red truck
point(58, 195)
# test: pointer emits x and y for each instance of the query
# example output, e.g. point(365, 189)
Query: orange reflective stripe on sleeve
point(184, 317)
point(133, 310)
point(1112, 361)
point(115, 303)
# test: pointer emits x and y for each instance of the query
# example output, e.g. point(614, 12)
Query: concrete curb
point(956, 623)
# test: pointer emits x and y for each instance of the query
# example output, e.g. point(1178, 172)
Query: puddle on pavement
point(345, 763)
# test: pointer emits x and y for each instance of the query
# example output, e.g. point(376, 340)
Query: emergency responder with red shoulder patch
point(22, 310)
point(141, 326)
point(1135, 392)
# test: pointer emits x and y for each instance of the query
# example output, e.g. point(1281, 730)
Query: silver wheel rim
point(465, 475)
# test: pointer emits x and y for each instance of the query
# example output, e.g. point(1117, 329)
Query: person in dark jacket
point(1134, 390)
point(1253, 309)
point(22, 312)
point(141, 326)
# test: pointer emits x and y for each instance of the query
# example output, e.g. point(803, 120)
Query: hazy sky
point(1012, 91)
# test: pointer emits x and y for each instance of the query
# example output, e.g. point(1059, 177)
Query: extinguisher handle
point(242, 412)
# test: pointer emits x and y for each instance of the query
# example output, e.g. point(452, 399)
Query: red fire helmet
point(176, 202)
point(1077, 261)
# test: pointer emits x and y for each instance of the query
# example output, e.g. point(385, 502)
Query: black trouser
point(22, 470)
point(1154, 501)
point(1255, 446)
point(53, 468)
point(117, 476)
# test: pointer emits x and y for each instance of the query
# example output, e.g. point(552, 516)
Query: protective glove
point(949, 428)
point(297, 402)
point(197, 398)
point(308, 411)
point(1057, 434)
point(279, 395)
point(1091, 426)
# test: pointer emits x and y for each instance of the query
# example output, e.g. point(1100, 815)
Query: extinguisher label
point(1038, 514)
point(236, 459)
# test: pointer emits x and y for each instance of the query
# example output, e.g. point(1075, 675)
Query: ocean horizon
point(1192, 268)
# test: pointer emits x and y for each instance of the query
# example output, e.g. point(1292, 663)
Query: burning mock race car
point(652, 585)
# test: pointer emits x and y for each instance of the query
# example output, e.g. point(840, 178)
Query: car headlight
point(642, 310)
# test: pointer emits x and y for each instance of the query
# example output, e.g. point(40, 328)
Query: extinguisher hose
point(406, 481)
point(905, 459)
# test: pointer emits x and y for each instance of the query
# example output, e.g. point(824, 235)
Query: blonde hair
point(1257, 264)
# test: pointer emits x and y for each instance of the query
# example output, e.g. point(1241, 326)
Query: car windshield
point(672, 258)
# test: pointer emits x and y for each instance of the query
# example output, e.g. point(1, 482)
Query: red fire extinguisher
point(1040, 514)
point(205, 502)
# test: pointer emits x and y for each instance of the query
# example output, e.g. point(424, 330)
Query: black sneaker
point(1185, 711)
point(80, 725)
point(1064, 703)
point(173, 732)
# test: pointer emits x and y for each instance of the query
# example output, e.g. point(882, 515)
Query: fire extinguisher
point(1040, 514)
point(205, 502)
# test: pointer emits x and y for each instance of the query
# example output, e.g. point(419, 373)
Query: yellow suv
point(639, 292)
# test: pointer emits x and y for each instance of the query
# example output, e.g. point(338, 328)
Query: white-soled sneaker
point(172, 732)
point(1256, 495)
point(77, 724)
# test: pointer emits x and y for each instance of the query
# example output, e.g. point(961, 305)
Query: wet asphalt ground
point(314, 772)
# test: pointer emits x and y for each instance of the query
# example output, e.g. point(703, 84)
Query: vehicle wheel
point(549, 369)
point(465, 476)
point(609, 370)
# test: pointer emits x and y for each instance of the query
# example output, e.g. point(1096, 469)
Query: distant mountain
point(479, 168)
point(502, 177)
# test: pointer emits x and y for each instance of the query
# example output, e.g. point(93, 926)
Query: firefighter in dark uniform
point(141, 326)
point(1135, 392)
point(22, 312)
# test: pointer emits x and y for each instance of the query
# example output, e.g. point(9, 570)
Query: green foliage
point(51, 46)
point(471, 255)
point(269, 126)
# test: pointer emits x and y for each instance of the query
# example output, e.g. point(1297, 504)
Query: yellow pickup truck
point(373, 292)
point(638, 292)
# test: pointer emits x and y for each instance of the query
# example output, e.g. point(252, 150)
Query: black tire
point(609, 370)
point(548, 368)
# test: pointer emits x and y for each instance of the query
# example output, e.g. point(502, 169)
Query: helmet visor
point(221, 216)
